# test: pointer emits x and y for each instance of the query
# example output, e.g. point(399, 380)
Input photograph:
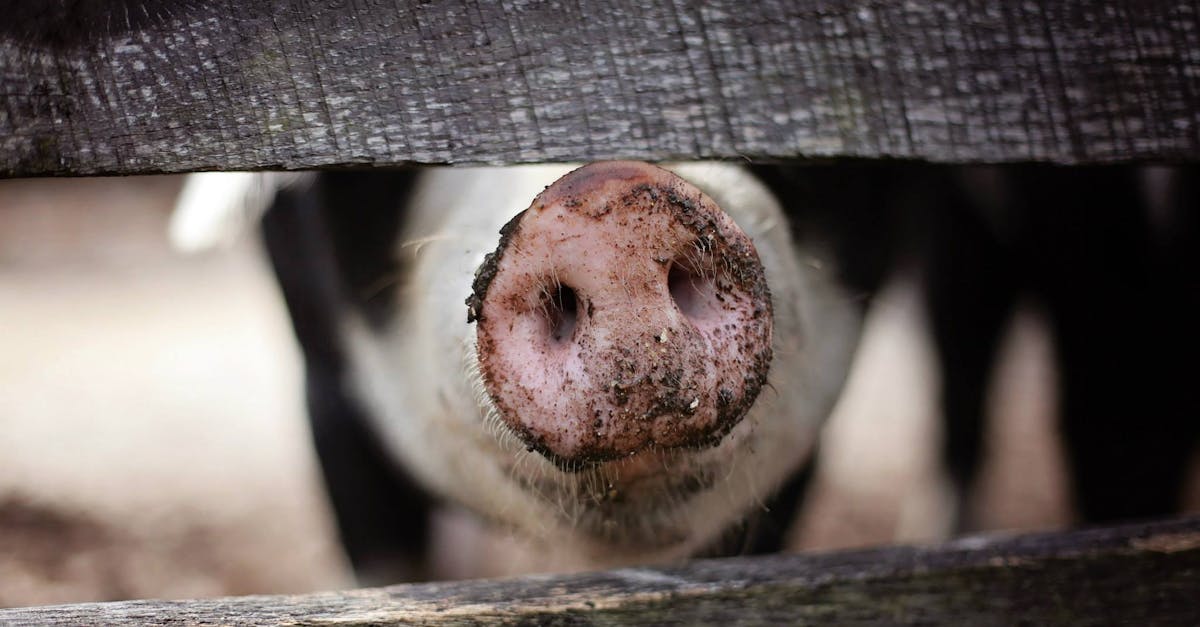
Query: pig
point(361, 246)
point(616, 364)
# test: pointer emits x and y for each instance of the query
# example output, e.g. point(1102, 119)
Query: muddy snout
point(623, 311)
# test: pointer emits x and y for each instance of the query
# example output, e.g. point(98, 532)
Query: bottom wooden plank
point(1137, 574)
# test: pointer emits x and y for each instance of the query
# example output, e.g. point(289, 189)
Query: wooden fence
point(153, 86)
point(1135, 575)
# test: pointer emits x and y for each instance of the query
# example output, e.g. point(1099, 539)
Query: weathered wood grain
point(137, 86)
point(1137, 575)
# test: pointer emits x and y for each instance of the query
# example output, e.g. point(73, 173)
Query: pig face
point(649, 354)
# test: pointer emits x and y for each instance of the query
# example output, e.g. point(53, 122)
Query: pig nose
point(622, 311)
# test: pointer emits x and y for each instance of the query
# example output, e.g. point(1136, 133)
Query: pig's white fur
point(420, 380)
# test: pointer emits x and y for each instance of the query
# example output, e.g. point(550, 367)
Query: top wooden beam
point(141, 86)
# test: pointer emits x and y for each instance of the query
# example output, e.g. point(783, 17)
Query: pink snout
point(623, 311)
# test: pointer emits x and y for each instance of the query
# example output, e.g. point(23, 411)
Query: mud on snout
point(622, 313)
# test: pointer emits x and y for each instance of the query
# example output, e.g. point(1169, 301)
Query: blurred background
point(153, 441)
point(152, 435)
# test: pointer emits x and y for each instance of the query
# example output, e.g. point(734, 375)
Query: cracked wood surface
point(1137, 574)
point(144, 86)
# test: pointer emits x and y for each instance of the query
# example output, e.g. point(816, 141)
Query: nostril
point(562, 312)
point(692, 291)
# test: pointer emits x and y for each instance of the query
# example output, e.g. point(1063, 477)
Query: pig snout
point(623, 311)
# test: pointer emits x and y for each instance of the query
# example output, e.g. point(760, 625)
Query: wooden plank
point(1138, 574)
point(139, 86)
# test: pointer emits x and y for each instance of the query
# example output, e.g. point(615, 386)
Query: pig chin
point(645, 501)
